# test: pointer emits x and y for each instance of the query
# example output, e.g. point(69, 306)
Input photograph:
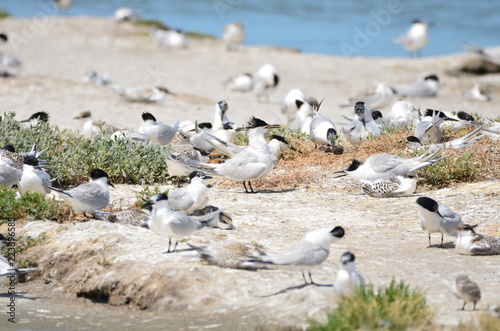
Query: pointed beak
point(274, 126)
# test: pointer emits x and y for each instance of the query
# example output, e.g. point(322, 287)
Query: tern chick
point(467, 290)
point(471, 243)
point(348, 280)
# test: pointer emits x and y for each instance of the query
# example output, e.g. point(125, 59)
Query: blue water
point(342, 27)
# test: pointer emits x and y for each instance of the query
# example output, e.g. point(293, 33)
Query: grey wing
point(302, 253)
point(422, 128)
point(182, 225)
point(90, 193)
point(180, 199)
point(485, 245)
point(383, 163)
point(450, 219)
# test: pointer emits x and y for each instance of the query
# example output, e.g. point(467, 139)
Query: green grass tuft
point(73, 156)
point(395, 307)
point(31, 206)
point(155, 23)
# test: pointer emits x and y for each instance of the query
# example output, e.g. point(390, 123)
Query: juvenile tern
point(415, 38)
point(384, 166)
point(348, 280)
point(227, 254)
point(182, 160)
point(173, 224)
point(438, 218)
point(233, 34)
point(307, 253)
point(471, 243)
point(478, 93)
point(391, 187)
point(156, 131)
point(191, 197)
point(90, 196)
point(466, 290)
point(255, 161)
point(426, 87)
point(220, 219)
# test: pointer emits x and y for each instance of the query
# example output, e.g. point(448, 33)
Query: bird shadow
point(264, 191)
point(297, 287)
point(17, 296)
point(448, 245)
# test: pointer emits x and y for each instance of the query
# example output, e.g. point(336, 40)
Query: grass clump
point(21, 245)
point(30, 206)
point(395, 307)
point(73, 156)
point(151, 23)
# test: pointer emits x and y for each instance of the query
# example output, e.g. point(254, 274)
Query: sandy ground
point(177, 289)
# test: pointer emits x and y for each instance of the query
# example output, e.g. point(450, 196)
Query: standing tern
point(438, 218)
point(264, 81)
point(191, 197)
point(322, 130)
point(471, 243)
point(467, 290)
point(233, 34)
point(255, 161)
point(415, 38)
point(90, 196)
point(348, 280)
point(384, 166)
point(239, 83)
point(307, 253)
point(173, 224)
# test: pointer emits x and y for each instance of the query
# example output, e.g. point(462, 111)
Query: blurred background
point(320, 26)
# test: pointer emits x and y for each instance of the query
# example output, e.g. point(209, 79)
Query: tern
point(415, 38)
point(168, 38)
point(467, 290)
point(492, 54)
point(239, 83)
point(457, 143)
point(400, 115)
point(438, 218)
point(379, 97)
point(255, 161)
point(36, 118)
point(429, 129)
point(426, 87)
point(125, 14)
point(156, 131)
point(471, 243)
point(191, 197)
point(233, 34)
point(391, 187)
point(90, 196)
point(264, 81)
point(307, 253)
point(384, 166)
point(173, 224)
point(322, 130)
point(92, 126)
point(34, 178)
point(348, 280)
point(145, 94)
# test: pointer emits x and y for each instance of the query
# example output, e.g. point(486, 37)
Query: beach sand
point(178, 291)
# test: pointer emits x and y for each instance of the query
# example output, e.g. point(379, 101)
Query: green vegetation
point(73, 156)
point(155, 23)
point(3, 13)
point(395, 307)
point(21, 245)
point(31, 206)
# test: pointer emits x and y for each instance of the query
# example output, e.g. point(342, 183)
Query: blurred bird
point(348, 280)
point(90, 196)
point(92, 127)
point(227, 254)
point(220, 219)
point(156, 131)
point(471, 243)
point(62, 5)
point(466, 290)
point(415, 38)
point(125, 14)
point(291, 103)
point(491, 54)
point(36, 118)
point(400, 115)
point(145, 94)
point(307, 253)
point(168, 38)
point(233, 34)
point(264, 81)
point(438, 218)
point(93, 77)
point(478, 93)
point(379, 97)
point(425, 87)
point(239, 83)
